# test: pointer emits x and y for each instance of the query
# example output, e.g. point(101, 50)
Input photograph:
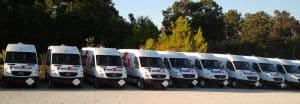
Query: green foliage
point(150, 44)
point(205, 13)
point(181, 39)
point(233, 22)
point(200, 45)
point(2, 55)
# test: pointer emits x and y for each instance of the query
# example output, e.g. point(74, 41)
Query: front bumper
point(183, 81)
point(294, 84)
point(21, 80)
point(114, 82)
point(273, 84)
point(251, 83)
point(156, 82)
point(219, 82)
point(66, 81)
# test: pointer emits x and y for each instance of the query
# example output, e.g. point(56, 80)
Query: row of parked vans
point(146, 68)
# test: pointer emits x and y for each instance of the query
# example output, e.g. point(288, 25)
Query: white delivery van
point(269, 76)
point(64, 66)
point(239, 70)
point(208, 68)
point(145, 68)
point(290, 71)
point(178, 65)
point(103, 66)
point(20, 65)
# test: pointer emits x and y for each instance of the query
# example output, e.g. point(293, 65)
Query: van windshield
point(240, 65)
point(20, 57)
point(292, 69)
point(151, 62)
point(180, 63)
point(267, 67)
point(66, 59)
point(211, 64)
point(109, 60)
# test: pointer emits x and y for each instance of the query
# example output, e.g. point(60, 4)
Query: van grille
point(114, 74)
point(20, 73)
point(252, 78)
point(278, 79)
point(68, 74)
point(188, 75)
point(158, 76)
point(220, 76)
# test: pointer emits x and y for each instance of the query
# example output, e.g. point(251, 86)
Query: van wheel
point(50, 84)
point(235, 84)
point(96, 83)
point(141, 84)
point(3, 84)
point(202, 83)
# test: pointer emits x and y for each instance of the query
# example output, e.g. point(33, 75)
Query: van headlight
point(178, 75)
point(7, 72)
point(294, 77)
point(147, 74)
point(54, 73)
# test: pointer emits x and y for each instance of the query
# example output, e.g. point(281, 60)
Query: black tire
point(235, 84)
point(51, 84)
point(96, 83)
point(141, 84)
point(202, 83)
point(3, 84)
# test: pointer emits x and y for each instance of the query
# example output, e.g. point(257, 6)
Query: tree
point(142, 28)
point(150, 44)
point(255, 31)
point(200, 45)
point(181, 39)
point(206, 14)
point(233, 24)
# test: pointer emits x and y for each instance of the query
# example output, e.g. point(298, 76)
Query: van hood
point(187, 70)
point(154, 70)
point(275, 74)
point(249, 73)
point(217, 71)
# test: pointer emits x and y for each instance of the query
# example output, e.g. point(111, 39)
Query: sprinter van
point(269, 76)
point(20, 65)
point(290, 71)
point(239, 70)
point(103, 66)
point(208, 68)
point(145, 68)
point(64, 66)
point(178, 65)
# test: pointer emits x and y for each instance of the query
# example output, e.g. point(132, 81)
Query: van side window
point(166, 63)
point(280, 69)
point(136, 62)
point(229, 65)
point(48, 57)
point(255, 67)
point(197, 64)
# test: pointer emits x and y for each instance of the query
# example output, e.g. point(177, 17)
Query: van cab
point(180, 69)
point(269, 76)
point(20, 65)
point(145, 68)
point(239, 70)
point(64, 66)
point(290, 71)
point(103, 66)
point(208, 68)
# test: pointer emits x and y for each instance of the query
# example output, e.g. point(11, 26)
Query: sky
point(153, 8)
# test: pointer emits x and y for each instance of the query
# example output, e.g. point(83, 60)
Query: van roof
point(20, 47)
point(231, 57)
point(281, 61)
point(102, 51)
point(141, 52)
point(64, 49)
point(201, 55)
point(171, 54)
point(258, 59)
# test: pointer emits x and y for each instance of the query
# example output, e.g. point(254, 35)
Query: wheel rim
point(202, 83)
point(234, 83)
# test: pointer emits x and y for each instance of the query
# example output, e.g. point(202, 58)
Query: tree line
point(187, 26)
